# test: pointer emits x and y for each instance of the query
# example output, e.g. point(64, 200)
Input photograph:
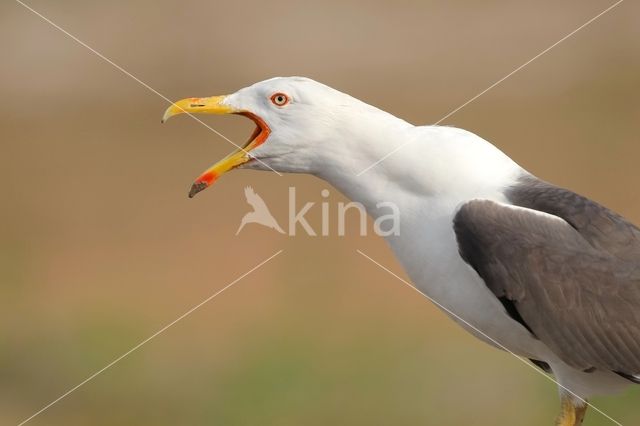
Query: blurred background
point(100, 247)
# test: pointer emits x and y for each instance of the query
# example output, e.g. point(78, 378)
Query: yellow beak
point(216, 105)
point(210, 105)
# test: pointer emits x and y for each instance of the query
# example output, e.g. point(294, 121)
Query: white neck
point(427, 162)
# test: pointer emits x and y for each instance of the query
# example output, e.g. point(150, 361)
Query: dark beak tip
point(197, 187)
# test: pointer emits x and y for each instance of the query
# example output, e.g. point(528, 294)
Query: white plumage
point(433, 173)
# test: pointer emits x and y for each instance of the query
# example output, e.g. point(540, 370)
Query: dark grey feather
point(575, 284)
point(541, 365)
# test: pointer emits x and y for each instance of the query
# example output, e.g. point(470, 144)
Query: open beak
point(217, 105)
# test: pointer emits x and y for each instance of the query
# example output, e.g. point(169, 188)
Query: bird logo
point(260, 214)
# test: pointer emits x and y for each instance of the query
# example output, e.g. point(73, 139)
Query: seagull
point(525, 265)
point(260, 214)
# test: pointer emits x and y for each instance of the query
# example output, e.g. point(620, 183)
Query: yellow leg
point(572, 412)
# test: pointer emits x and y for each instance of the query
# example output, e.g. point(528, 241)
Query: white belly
point(428, 251)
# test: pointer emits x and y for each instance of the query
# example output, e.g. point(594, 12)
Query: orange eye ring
point(279, 99)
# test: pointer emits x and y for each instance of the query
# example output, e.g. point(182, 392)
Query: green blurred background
point(100, 247)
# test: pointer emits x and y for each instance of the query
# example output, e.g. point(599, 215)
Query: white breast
point(427, 249)
point(434, 171)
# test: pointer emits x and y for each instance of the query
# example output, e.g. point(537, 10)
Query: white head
point(299, 123)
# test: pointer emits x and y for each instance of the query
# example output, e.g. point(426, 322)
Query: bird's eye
point(279, 99)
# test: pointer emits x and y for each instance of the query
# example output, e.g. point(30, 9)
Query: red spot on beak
point(202, 183)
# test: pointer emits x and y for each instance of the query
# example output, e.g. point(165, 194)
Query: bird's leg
point(572, 411)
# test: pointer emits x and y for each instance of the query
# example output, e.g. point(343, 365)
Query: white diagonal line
point(162, 330)
point(127, 73)
point(390, 153)
point(500, 345)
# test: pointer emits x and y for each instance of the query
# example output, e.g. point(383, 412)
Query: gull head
point(297, 120)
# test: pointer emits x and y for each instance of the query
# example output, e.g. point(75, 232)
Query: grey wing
point(581, 301)
point(601, 227)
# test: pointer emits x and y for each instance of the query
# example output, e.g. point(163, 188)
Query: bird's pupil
point(279, 99)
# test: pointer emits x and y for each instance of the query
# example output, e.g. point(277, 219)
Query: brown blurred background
point(100, 247)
